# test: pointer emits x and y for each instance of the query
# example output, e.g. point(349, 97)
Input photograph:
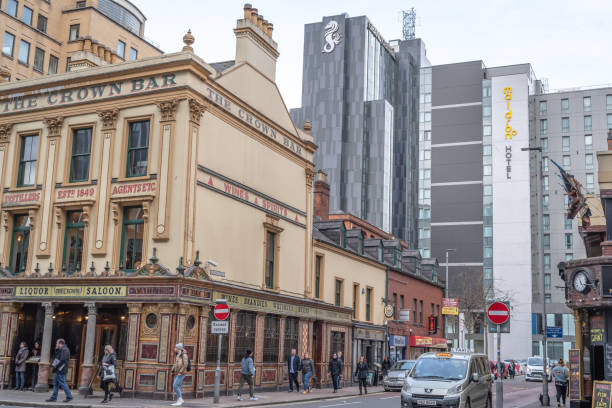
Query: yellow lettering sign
point(90, 291)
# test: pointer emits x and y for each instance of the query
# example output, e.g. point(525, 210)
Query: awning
point(432, 342)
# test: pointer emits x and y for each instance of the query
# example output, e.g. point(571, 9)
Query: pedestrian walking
point(361, 372)
point(60, 368)
point(308, 369)
point(341, 370)
point(560, 374)
point(334, 369)
point(108, 374)
point(20, 366)
point(247, 371)
point(386, 365)
point(512, 369)
point(181, 366)
point(293, 365)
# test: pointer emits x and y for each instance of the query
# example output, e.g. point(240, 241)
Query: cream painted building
point(47, 37)
point(134, 195)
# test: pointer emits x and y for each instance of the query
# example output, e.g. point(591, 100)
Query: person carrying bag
point(108, 373)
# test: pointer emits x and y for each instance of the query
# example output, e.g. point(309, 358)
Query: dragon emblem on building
point(331, 36)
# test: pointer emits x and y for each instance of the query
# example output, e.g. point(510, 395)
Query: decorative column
point(42, 385)
point(230, 349)
point(308, 268)
point(54, 132)
point(88, 356)
point(164, 191)
point(109, 126)
point(8, 328)
point(196, 109)
point(259, 345)
point(201, 360)
point(280, 373)
point(134, 313)
point(5, 138)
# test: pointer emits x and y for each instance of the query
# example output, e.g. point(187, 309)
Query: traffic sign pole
point(498, 314)
point(221, 312)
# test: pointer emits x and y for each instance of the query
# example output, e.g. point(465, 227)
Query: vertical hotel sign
point(511, 203)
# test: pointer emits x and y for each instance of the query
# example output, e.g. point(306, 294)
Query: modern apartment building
point(47, 37)
point(570, 126)
point(361, 94)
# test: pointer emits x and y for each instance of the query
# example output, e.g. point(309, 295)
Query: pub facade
point(135, 195)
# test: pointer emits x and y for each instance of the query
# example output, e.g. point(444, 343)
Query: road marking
point(395, 396)
point(337, 405)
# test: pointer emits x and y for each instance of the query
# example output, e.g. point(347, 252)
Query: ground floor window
point(271, 339)
point(20, 243)
point(336, 343)
point(291, 336)
point(212, 343)
point(245, 334)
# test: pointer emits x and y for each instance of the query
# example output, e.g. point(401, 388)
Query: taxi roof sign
point(444, 355)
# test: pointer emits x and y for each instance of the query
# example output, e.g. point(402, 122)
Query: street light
point(446, 290)
point(545, 397)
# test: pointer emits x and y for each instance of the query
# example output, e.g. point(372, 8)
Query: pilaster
point(310, 174)
point(54, 132)
point(5, 138)
point(42, 385)
point(108, 127)
point(166, 155)
point(259, 344)
point(87, 368)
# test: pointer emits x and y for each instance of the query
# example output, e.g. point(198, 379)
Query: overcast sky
point(567, 42)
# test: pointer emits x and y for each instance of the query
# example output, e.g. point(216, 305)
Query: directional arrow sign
point(498, 313)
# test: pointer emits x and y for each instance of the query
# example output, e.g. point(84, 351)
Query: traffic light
point(433, 324)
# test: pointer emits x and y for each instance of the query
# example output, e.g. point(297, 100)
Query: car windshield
point(535, 361)
point(440, 368)
point(403, 365)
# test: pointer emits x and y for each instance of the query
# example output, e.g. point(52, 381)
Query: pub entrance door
point(106, 334)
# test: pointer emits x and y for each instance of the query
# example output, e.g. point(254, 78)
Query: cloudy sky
point(567, 42)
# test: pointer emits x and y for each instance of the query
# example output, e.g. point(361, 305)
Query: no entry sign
point(221, 311)
point(498, 313)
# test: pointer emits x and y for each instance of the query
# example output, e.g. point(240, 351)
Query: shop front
point(369, 342)
point(424, 344)
point(397, 348)
point(143, 315)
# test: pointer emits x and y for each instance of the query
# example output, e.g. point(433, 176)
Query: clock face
point(581, 282)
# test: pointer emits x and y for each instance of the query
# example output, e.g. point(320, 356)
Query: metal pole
point(545, 397)
point(499, 386)
point(446, 296)
point(218, 372)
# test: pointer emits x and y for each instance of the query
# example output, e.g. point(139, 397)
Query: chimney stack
point(254, 43)
point(321, 196)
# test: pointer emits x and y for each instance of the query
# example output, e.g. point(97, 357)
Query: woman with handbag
point(107, 372)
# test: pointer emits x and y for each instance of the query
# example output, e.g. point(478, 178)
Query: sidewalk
point(31, 399)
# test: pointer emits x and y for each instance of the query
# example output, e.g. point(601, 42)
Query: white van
point(452, 380)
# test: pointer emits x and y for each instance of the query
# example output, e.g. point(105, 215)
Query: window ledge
point(40, 71)
point(8, 56)
point(25, 64)
point(133, 178)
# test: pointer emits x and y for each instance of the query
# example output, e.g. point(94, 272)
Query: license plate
point(426, 402)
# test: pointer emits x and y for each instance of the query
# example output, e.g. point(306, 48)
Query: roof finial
point(188, 39)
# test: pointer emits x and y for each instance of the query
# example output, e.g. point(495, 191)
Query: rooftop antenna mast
point(408, 23)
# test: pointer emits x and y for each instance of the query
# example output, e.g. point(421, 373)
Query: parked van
point(453, 380)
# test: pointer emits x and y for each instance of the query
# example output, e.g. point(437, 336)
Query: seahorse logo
point(331, 36)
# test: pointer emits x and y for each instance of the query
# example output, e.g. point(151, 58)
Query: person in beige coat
point(181, 361)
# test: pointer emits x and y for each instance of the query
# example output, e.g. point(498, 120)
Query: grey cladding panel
point(467, 239)
point(456, 203)
point(463, 280)
point(455, 125)
point(457, 83)
point(456, 163)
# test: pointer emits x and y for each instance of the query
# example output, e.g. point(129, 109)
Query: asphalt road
point(517, 394)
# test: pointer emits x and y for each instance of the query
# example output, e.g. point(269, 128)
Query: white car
point(535, 369)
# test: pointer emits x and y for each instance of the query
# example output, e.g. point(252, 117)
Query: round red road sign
point(221, 311)
point(498, 313)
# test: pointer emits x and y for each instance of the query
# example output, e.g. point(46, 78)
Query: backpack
point(188, 363)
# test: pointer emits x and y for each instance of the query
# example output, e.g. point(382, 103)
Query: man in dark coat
point(294, 366)
point(335, 370)
point(361, 372)
point(60, 368)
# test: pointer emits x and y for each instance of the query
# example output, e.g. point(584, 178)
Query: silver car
point(394, 380)
point(450, 380)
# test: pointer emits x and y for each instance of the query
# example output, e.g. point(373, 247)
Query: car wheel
point(468, 404)
point(386, 389)
point(489, 401)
